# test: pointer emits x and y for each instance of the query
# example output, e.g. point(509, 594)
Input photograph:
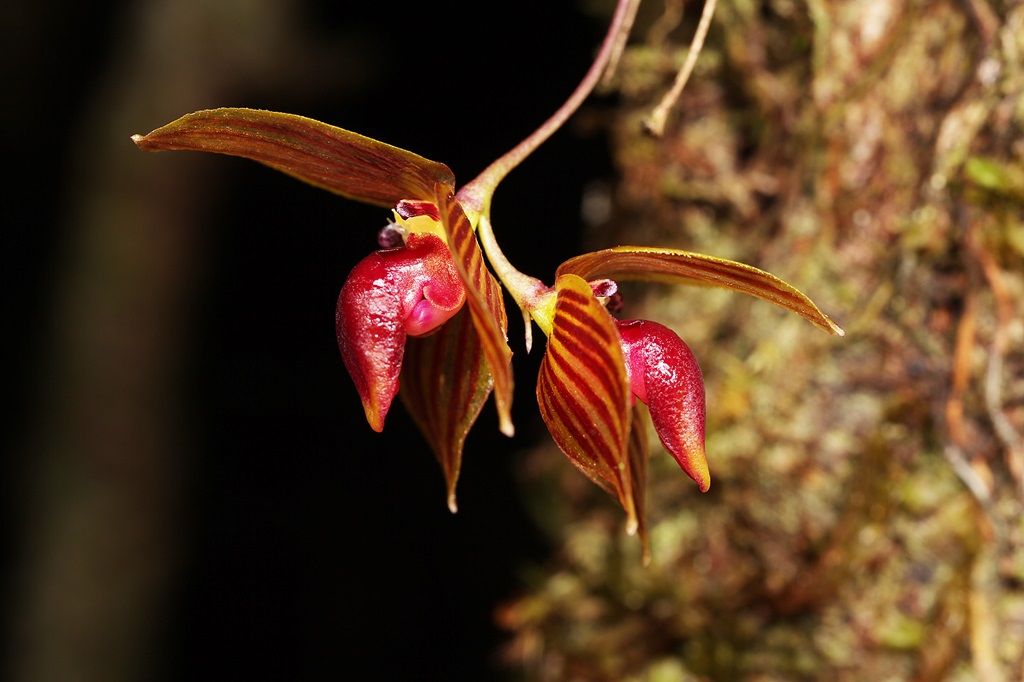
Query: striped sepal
point(583, 391)
point(687, 267)
point(444, 384)
point(331, 158)
point(484, 297)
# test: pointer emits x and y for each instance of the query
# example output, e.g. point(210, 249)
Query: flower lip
point(436, 304)
point(410, 290)
point(665, 376)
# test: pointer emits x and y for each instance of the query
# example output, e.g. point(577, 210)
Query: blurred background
point(190, 489)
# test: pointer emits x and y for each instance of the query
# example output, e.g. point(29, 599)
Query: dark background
point(311, 547)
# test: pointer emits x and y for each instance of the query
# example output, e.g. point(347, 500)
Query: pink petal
point(664, 375)
point(390, 294)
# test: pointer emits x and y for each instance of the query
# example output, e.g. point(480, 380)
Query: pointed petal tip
point(829, 325)
point(374, 416)
point(694, 462)
point(144, 143)
point(452, 506)
point(698, 470)
point(632, 524)
point(506, 427)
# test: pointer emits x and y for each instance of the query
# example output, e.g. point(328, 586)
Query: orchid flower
point(423, 313)
point(595, 367)
point(423, 317)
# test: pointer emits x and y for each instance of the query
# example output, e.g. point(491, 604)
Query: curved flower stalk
point(423, 318)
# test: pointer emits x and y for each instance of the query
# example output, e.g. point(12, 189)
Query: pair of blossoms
point(425, 314)
point(423, 318)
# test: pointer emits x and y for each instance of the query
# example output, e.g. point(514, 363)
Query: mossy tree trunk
point(864, 519)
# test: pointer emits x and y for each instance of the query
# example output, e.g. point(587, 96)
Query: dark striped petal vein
point(444, 384)
point(583, 392)
point(686, 267)
point(484, 298)
point(340, 161)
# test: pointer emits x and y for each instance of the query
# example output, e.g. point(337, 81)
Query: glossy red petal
point(687, 267)
point(328, 157)
point(583, 392)
point(371, 335)
point(664, 374)
point(390, 294)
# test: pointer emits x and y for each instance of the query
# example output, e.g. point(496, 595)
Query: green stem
point(476, 196)
point(532, 296)
point(655, 123)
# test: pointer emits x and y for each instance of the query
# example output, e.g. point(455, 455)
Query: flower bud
point(410, 290)
point(665, 376)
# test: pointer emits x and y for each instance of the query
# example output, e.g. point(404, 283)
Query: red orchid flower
point(423, 318)
point(595, 367)
point(659, 366)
